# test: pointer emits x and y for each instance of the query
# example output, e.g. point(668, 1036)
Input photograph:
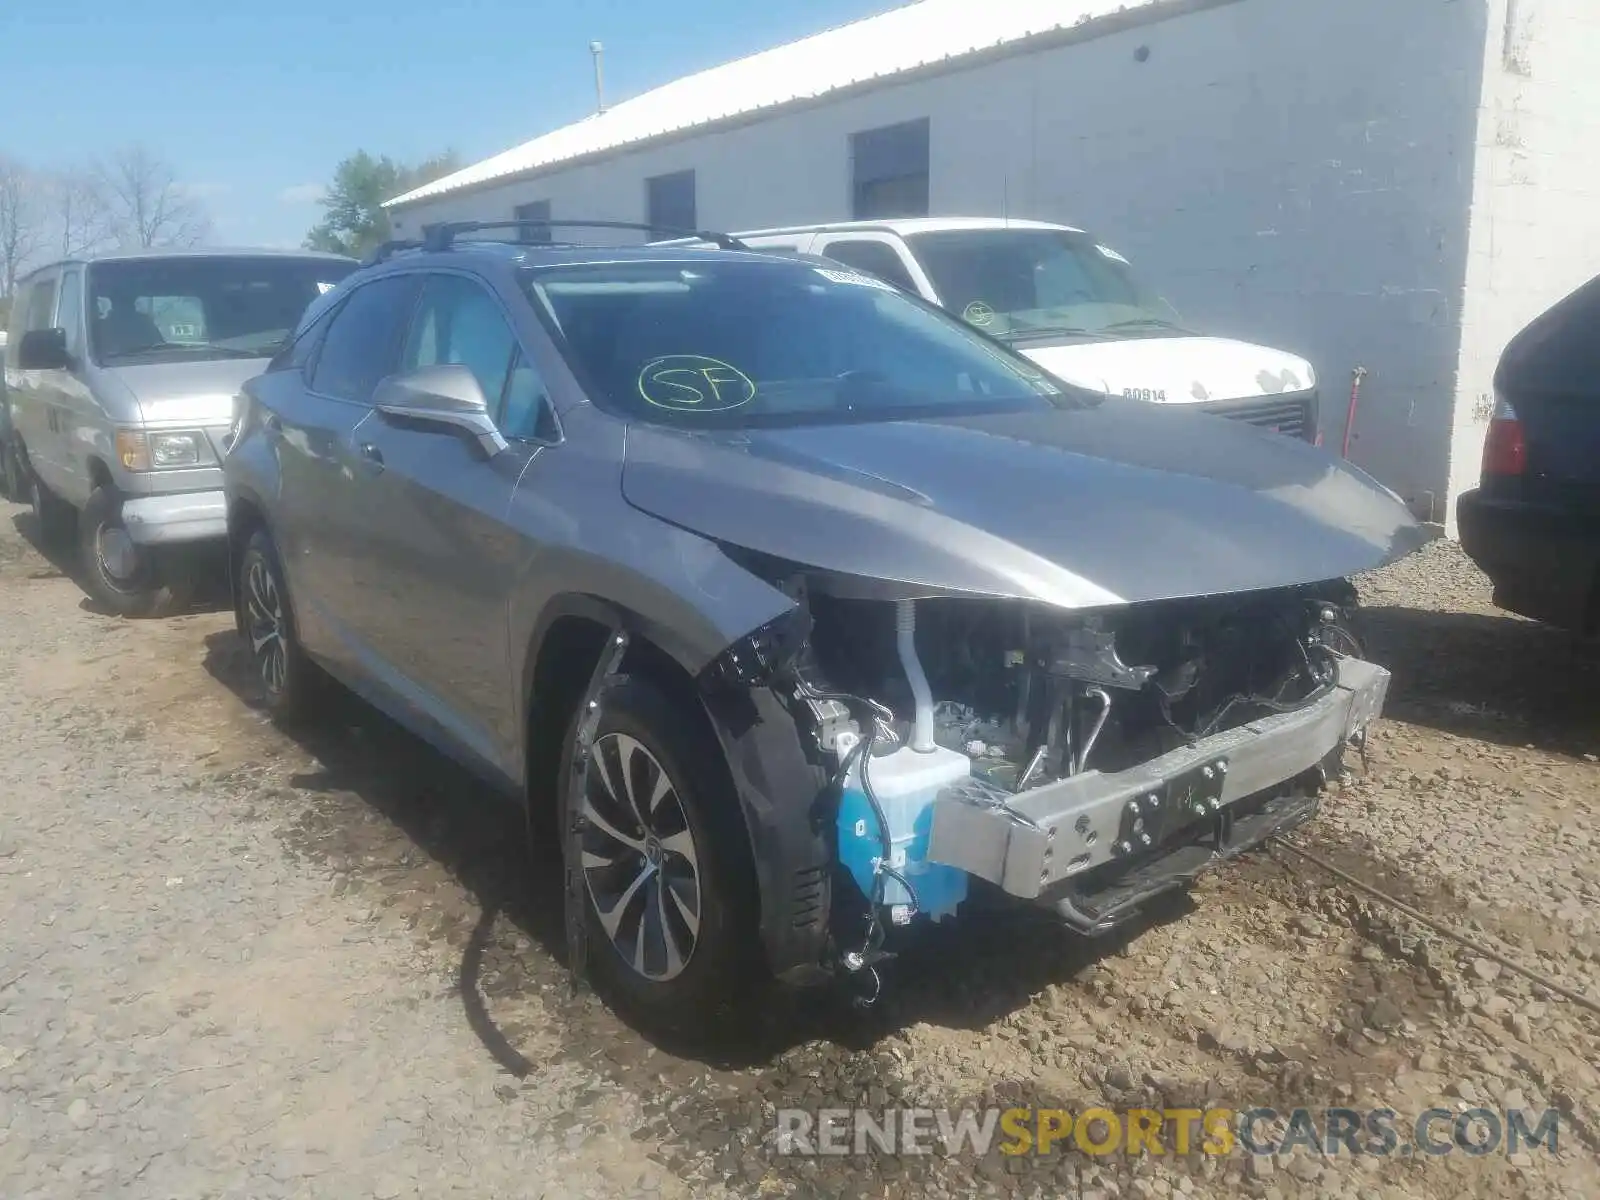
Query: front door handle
point(371, 456)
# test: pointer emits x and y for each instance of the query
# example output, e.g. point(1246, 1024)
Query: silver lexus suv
point(796, 609)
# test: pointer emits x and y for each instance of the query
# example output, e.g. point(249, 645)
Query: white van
point(1073, 305)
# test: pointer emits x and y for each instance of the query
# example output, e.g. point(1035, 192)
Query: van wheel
point(291, 684)
point(52, 516)
point(120, 574)
point(669, 890)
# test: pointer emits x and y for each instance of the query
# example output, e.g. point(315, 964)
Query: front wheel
point(670, 899)
point(121, 575)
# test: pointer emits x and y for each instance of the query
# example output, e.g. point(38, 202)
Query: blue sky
point(253, 102)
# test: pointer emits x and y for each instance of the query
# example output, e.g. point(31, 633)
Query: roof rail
point(439, 236)
point(387, 249)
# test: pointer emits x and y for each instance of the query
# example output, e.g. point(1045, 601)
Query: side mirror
point(43, 350)
point(446, 397)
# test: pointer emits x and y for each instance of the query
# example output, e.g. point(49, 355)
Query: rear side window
point(19, 313)
point(363, 343)
point(297, 355)
point(69, 312)
point(875, 258)
point(42, 304)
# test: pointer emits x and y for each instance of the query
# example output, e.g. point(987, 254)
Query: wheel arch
point(560, 659)
point(775, 779)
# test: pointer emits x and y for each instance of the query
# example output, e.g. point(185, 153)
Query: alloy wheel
point(264, 622)
point(639, 858)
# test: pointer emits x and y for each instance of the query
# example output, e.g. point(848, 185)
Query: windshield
point(201, 307)
point(743, 342)
point(1028, 283)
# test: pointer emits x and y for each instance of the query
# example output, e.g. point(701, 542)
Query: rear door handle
point(371, 456)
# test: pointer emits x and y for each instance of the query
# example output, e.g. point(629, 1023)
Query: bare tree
point(77, 212)
point(145, 205)
point(21, 220)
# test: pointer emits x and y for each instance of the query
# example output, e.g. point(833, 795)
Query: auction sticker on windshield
point(853, 277)
point(694, 383)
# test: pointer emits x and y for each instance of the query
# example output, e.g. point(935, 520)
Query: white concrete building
point(1390, 184)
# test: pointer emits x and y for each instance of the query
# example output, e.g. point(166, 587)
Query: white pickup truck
point(1073, 305)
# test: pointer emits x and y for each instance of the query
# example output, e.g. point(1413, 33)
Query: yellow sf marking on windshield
point(694, 383)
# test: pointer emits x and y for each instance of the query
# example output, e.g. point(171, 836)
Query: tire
point(53, 517)
point(292, 686)
point(689, 877)
point(127, 579)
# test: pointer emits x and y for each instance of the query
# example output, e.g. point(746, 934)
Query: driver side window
point(459, 322)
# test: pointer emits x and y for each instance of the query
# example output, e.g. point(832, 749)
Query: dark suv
point(797, 608)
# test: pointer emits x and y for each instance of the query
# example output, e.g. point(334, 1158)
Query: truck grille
point(1293, 415)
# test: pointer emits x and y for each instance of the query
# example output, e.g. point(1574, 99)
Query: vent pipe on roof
point(596, 49)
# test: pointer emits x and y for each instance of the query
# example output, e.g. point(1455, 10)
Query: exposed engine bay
point(1007, 751)
point(1076, 761)
point(1032, 695)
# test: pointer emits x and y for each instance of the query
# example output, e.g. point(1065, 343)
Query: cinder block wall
point(1295, 172)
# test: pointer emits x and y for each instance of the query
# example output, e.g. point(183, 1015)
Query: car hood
point(1117, 503)
point(1176, 370)
point(187, 393)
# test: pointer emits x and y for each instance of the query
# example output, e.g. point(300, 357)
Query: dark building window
point(889, 171)
point(669, 201)
point(534, 210)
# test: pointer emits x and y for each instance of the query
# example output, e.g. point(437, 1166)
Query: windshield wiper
point(1147, 323)
point(189, 347)
point(1046, 331)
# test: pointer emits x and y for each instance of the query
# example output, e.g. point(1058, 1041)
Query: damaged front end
point(1083, 762)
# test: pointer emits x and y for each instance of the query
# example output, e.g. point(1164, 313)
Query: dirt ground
point(237, 964)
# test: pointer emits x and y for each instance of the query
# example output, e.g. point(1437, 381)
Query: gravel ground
point(239, 964)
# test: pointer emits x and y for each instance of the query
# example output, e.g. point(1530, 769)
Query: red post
point(1356, 377)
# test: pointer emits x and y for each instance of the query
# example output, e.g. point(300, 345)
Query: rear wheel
point(123, 576)
point(670, 901)
point(291, 684)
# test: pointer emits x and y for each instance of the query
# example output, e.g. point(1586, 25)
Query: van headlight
point(166, 450)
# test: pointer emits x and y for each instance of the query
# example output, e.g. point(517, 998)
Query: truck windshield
point(744, 342)
point(201, 306)
point(1020, 284)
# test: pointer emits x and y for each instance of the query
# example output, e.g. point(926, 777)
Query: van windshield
point(201, 307)
point(744, 342)
point(1026, 284)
